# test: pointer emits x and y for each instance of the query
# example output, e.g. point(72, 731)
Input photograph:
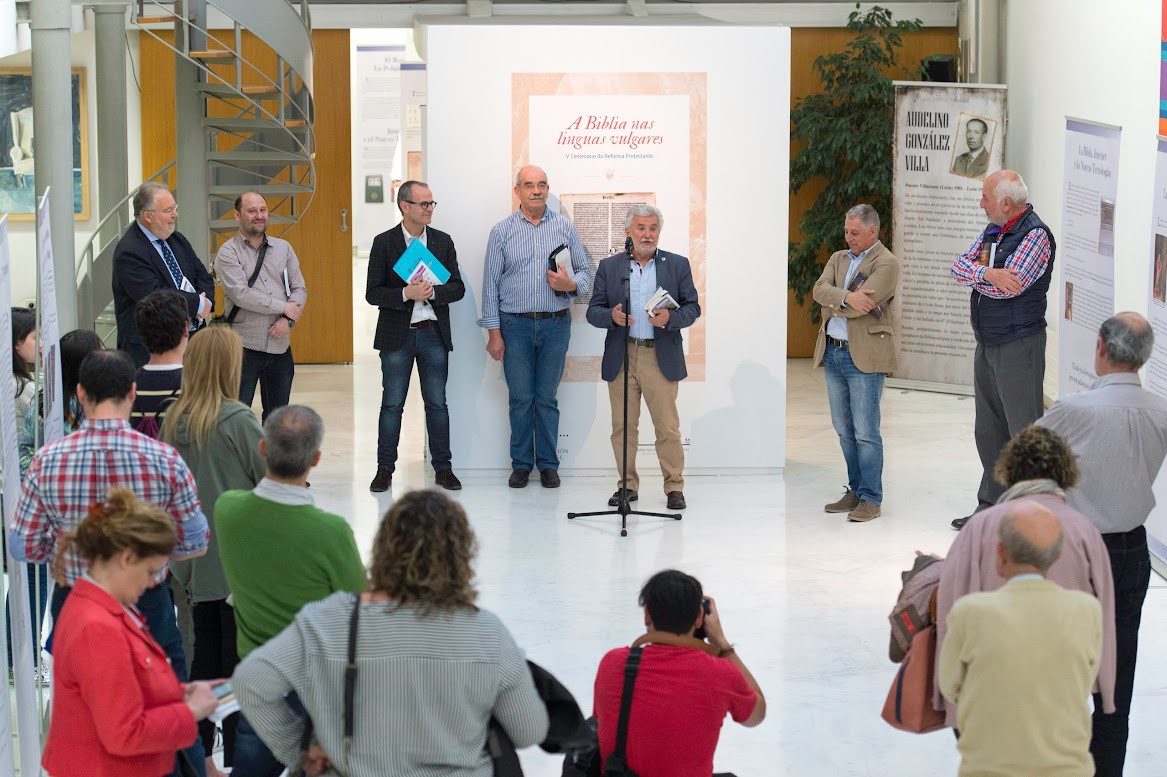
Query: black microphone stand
point(624, 508)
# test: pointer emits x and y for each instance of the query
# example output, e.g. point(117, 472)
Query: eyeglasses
point(165, 211)
point(427, 205)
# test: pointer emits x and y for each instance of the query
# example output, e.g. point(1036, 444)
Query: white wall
point(22, 234)
point(1092, 61)
point(738, 414)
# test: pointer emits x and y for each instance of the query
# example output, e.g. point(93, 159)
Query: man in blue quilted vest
point(1008, 267)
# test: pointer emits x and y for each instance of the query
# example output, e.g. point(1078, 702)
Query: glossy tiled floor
point(804, 595)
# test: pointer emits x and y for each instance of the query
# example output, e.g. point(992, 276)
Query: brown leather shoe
point(848, 502)
point(549, 478)
point(676, 500)
point(448, 480)
point(614, 499)
point(382, 480)
point(864, 512)
point(518, 478)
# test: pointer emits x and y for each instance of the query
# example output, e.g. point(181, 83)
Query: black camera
point(700, 633)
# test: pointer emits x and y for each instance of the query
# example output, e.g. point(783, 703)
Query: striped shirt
point(77, 471)
point(427, 685)
point(514, 277)
point(1118, 432)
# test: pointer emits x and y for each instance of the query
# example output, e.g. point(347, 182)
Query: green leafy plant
point(845, 134)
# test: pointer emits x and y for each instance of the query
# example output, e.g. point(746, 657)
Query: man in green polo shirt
point(281, 552)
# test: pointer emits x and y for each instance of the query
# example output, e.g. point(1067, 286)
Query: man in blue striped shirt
point(526, 312)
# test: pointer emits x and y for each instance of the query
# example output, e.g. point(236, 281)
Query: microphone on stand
point(628, 246)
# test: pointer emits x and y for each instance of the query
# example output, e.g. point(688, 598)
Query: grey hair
point(645, 212)
point(1020, 550)
point(144, 197)
point(1128, 342)
point(1012, 186)
point(519, 173)
point(867, 215)
point(405, 191)
point(292, 435)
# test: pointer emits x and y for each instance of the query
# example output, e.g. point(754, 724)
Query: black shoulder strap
point(350, 679)
point(251, 280)
point(617, 760)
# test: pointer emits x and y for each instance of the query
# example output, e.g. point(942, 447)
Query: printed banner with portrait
point(948, 138)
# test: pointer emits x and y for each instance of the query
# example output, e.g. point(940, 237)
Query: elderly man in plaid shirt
point(76, 472)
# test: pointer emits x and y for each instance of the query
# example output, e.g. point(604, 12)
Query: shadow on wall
point(750, 426)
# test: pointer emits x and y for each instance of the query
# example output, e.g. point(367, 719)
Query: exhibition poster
point(948, 138)
point(48, 330)
point(1155, 373)
point(378, 93)
point(1085, 254)
point(608, 141)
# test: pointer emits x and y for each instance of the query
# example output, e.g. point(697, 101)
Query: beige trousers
point(660, 394)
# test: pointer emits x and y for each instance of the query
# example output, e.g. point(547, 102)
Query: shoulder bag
point(229, 319)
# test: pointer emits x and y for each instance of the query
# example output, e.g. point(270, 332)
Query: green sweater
point(280, 557)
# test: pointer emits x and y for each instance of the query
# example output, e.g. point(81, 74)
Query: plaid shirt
point(71, 474)
point(1029, 259)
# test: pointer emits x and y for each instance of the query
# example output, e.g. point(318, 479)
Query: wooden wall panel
point(325, 333)
point(806, 44)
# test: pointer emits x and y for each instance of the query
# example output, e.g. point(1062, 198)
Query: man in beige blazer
point(856, 350)
point(1019, 662)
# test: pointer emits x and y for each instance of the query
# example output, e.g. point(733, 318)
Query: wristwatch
point(291, 321)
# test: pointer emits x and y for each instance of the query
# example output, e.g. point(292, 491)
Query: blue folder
point(417, 252)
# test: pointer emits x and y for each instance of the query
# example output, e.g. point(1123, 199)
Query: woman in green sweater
point(218, 438)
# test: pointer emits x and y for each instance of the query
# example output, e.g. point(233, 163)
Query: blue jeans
point(274, 372)
point(252, 756)
point(532, 361)
point(425, 346)
point(854, 397)
point(157, 607)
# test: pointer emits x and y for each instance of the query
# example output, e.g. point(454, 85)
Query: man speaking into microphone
point(652, 292)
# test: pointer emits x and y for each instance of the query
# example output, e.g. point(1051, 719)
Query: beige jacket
point(872, 347)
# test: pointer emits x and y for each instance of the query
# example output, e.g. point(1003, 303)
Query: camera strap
point(617, 763)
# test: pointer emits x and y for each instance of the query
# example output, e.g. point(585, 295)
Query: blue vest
point(997, 321)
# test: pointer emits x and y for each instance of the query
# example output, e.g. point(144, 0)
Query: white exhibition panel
point(735, 418)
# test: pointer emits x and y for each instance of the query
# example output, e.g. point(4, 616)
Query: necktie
point(171, 264)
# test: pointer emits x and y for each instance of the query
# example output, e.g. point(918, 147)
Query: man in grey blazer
point(856, 350)
point(656, 359)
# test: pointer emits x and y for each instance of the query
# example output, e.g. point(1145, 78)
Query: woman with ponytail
point(118, 708)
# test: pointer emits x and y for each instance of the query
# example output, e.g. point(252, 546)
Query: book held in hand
point(661, 299)
point(417, 262)
point(228, 704)
point(857, 282)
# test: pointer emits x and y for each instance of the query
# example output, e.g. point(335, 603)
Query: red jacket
point(117, 704)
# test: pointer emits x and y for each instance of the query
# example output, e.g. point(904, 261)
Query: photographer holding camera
point(689, 677)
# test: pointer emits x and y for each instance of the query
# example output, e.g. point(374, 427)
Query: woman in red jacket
point(118, 708)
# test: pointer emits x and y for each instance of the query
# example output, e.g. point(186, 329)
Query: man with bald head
point(1008, 267)
point(1020, 661)
point(526, 312)
point(265, 294)
point(1118, 432)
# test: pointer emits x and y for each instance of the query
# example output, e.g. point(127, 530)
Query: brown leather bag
point(909, 700)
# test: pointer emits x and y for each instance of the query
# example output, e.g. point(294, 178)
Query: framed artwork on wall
point(18, 150)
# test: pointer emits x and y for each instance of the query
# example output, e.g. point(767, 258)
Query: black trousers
point(1130, 563)
point(274, 372)
point(215, 657)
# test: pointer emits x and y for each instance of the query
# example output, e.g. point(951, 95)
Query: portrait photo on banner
point(972, 146)
point(18, 149)
point(1159, 269)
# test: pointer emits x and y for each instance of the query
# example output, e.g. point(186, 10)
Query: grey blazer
point(675, 277)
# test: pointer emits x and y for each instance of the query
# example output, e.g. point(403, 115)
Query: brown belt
point(642, 342)
point(425, 322)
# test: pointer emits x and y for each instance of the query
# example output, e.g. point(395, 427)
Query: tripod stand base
point(623, 511)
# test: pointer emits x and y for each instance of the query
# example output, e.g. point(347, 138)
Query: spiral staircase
point(254, 84)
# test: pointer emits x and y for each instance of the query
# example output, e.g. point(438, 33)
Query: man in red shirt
point(685, 685)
